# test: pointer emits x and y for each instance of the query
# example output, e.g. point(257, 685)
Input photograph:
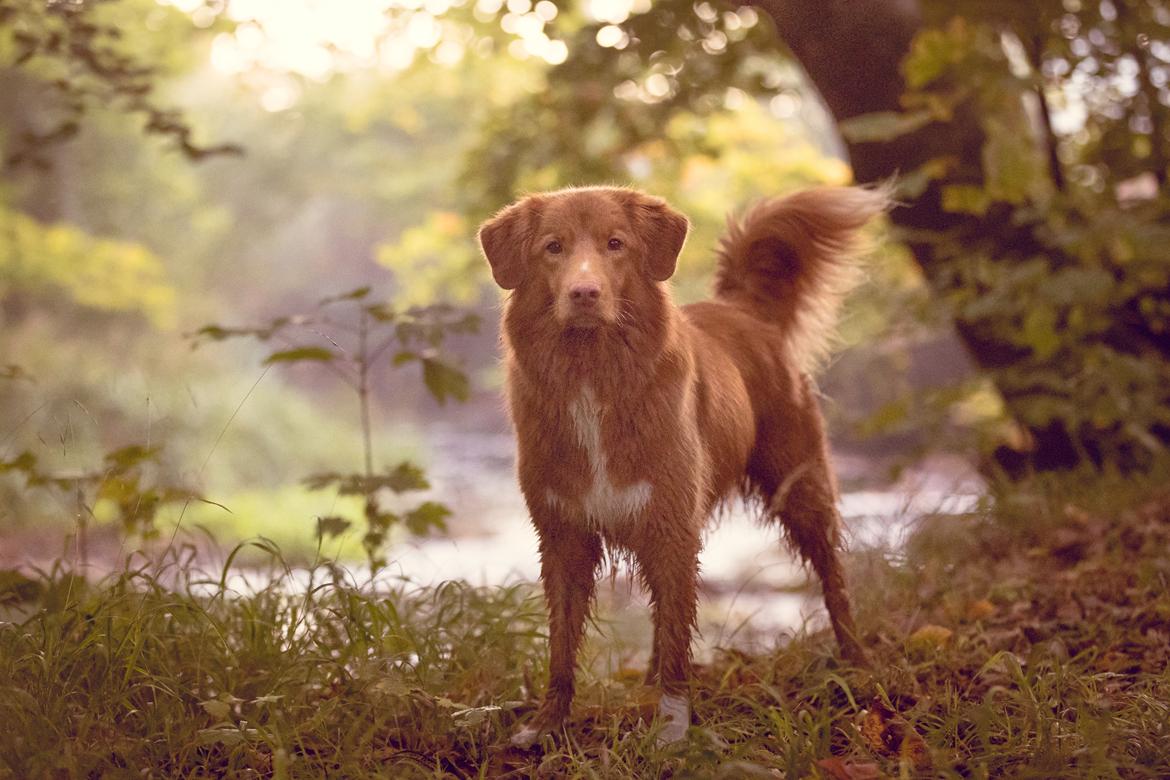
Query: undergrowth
point(1027, 641)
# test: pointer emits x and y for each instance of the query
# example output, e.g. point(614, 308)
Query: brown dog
point(635, 418)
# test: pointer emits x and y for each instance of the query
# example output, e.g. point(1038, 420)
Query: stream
point(753, 589)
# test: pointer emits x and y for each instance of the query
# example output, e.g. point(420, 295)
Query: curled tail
point(790, 261)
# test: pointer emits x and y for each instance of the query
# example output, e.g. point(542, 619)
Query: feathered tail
point(790, 261)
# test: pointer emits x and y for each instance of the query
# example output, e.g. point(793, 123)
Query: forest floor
point(1028, 640)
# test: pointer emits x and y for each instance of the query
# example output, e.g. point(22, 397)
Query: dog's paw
point(526, 736)
point(674, 712)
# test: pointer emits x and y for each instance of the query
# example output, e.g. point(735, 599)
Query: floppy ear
point(506, 240)
point(662, 231)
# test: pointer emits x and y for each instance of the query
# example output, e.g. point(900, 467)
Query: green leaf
point(220, 333)
point(220, 710)
point(965, 199)
point(1013, 170)
point(887, 418)
point(352, 295)
point(1039, 331)
point(914, 183)
point(319, 354)
point(443, 381)
point(25, 461)
point(405, 477)
point(226, 737)
point(426, 516)
point(381, 312)
point(935, 51)
point(332, 526)
point(120, 489)
point(1093, 286)
point(130, 456)
point(880, 126)
point(404, 357)
point(379, 523)
point(214, 332)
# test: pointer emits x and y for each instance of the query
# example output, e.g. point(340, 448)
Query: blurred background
point(240, 293)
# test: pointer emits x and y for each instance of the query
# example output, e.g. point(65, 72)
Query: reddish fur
point(701, 402)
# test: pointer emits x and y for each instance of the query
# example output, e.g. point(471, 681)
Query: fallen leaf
point(928, 640)
point(220, 710)
point(474, 716)
point(980, 610)
point(890, 735)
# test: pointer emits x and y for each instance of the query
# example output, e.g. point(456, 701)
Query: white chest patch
point(604, 504)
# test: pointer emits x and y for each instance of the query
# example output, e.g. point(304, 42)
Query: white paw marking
point(604, 503)
point(526, 737)
point(675, 712)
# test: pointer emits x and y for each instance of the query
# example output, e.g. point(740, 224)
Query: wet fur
point(703, 402)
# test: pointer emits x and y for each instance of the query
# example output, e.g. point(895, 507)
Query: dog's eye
point(615, 244)
point(554, 247)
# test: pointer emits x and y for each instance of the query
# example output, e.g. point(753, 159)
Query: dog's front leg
point(569, 557)
point(670, 570)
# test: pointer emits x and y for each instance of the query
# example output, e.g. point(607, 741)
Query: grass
point(1028, 641)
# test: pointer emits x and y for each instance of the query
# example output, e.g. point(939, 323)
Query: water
point(753, 592)
point(751, 584)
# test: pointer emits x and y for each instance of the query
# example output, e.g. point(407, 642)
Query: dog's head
point(584, 249)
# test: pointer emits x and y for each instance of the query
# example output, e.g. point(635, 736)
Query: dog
point(635, 418)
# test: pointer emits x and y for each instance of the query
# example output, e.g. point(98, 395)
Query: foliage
point(292, 681)
point(434, 260)
point(77, 49)
point(605, 114)
point(97, 273)
point(693, 101)
point(228, 240)
point(413, 335)
point(1103, 63)
point(123, 486)
point(1070, 100)
point(665, 97)
point(1060, 316)
point(1029, 641)
point(1064, 282)
point(624, 79)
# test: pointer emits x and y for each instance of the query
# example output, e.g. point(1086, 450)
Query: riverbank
point(1028, 640)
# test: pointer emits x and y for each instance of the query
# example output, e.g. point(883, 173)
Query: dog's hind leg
point(789, 470)
point(569, 559)
point(806, 505)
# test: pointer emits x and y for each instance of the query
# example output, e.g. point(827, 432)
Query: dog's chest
point(603, 503)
